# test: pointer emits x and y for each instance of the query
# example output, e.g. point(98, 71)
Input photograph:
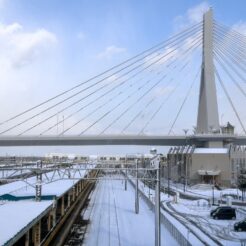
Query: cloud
point(19, 48)
point(192, 16)
point(240, 27)
point(110, 51)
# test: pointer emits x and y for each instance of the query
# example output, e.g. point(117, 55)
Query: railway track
point(58, 235)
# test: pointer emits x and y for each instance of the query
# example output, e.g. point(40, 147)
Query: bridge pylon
point(208, 117)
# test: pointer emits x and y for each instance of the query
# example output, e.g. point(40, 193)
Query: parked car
point(214, 210)
point(223, 213)
point(240, 226)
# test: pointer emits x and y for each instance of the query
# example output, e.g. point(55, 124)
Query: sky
point(47, 47)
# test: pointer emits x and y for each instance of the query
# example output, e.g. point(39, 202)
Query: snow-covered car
point(240, 226)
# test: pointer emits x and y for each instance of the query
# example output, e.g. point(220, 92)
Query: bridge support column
point(27, 238)
point(73, 193)
point(37, 234)
point(62, 206)
point(49, 222)
point(53, 217)
point(69, 199)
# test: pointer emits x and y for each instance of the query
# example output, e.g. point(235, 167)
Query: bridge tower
point(208, 118)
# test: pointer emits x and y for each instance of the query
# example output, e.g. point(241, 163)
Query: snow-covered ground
point(197, 212)
point(205, 190)
point(113, 220)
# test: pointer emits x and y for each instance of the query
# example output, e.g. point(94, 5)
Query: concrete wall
point(210, 161)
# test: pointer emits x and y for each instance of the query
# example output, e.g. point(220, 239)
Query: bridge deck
point(161, 140)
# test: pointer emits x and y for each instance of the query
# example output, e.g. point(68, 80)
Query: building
point(228, 129)
point(218, 166)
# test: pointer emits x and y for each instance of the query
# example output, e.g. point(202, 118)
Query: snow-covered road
point(113, 220)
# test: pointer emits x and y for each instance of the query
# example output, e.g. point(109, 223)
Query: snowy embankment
point(188, 232)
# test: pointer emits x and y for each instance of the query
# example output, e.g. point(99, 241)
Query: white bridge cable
point(115, 97)
point(123, 82)
point(141, 112)
point(132, 105)
point(112, 98)
point(220, 60)
point(133, 82)
point(235, 59)
point(233, 62)
point(100, 97)
point(241, 38)
point(185, 99)
point(176, 42)
point(163, 103)
point(149, 51)
point(231, 48)
point(94, 100)
point(229, 99)
point(90, 113)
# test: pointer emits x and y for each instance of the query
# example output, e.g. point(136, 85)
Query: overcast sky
point(48, 46)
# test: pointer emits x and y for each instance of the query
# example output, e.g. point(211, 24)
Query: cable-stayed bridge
point(131, 97)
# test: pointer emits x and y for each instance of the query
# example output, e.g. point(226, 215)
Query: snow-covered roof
point(211, 151)
point(15, 216)
point(28, 210)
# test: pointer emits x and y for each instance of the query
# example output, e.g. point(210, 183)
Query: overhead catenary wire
point(150, 50)
point(229, 99)
point(89, 87)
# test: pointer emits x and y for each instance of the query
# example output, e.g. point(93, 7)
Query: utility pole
point(125, 173)
point(39, 181)
point(157, 204)
point(136, 191)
